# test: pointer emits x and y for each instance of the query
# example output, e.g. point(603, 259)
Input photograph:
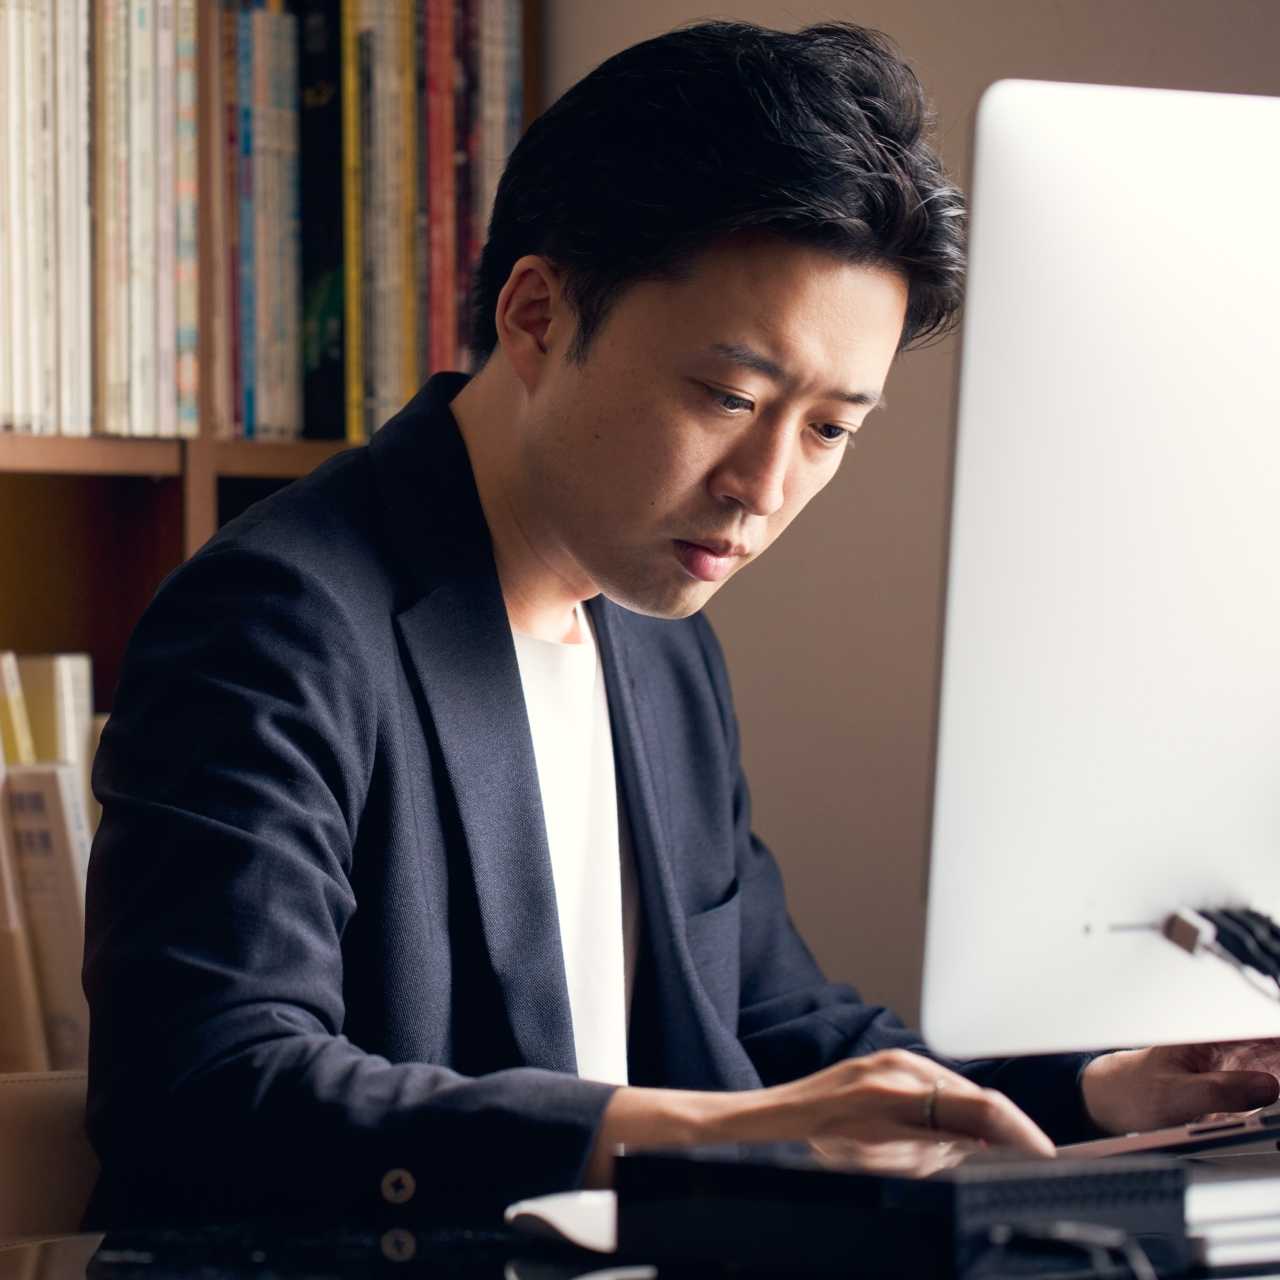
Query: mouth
point(708, 562)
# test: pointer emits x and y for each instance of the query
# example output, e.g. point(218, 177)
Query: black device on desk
point(762, 1207)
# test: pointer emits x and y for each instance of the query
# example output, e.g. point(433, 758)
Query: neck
point(539, 586)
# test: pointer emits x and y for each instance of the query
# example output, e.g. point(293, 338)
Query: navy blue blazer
point(322, 955)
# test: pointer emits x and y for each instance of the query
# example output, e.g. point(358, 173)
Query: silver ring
point(931, 1104)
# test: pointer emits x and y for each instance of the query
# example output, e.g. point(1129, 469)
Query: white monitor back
point(1109, 732)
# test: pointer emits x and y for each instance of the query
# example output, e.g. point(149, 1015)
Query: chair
point(47, 1168)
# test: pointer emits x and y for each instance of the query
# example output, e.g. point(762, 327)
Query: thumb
point(1206, 1092)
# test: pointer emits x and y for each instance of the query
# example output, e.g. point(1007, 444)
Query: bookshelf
point(90, 526)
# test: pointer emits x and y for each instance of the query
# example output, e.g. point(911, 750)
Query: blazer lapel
point(698, 1051)
point(455, 634)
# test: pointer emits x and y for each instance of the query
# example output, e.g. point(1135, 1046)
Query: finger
point(989, 1116)
point(1204, 1092)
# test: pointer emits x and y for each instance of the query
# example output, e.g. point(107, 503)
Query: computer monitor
point(1108, 744)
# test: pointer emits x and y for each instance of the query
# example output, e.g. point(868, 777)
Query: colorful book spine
point(248, 338)
point(187, 267)
point(352, 186)
point(264, 236)
point(166, 248)
point(142, 221)
point(51, 849)
point(291, 212)
point(422, 227)
point(410, 251)
point(234, 425)
point(371, 232)
point(466, 160)
point(442, 212)
point(213, 366)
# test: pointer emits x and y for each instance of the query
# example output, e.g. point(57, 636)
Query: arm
point(233, 774)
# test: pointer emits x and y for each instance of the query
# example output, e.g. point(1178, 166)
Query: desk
point(284, 1251)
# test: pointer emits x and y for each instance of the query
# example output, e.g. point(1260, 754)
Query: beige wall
point(832, 638)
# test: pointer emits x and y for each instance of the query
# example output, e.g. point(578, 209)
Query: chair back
point(47, 1167)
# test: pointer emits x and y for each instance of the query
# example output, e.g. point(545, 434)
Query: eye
point(729, 402)
point(842, 434)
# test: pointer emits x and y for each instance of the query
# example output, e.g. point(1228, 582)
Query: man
point(425, 867)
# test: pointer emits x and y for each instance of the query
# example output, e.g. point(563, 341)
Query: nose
point(754, 473)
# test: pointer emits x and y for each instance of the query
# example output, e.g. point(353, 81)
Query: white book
point(22, 1044)
point(142, 220)
point(82, 195)
point(120, 294)
point(63, 18)
point(14, 14)
point(166, 226)
point(7, 91)
point(44, 175)
point(26, 324)
point(58, 691)
point(51, 847)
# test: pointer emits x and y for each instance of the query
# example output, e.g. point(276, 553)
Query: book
point(58, 691)
point(320, 178)
point(213, 231)
point(291, 222)
point(15, 725)
point(247, 340)
point(42, 174)
point(166, 225)
point(233, 425)
point(442, 211)
point(411, 246)
point(16, 15)
point(353, 251)
point(187, 243)
point(22, 1043)
point(142, 219)
point(51, 846)
point(7, 108)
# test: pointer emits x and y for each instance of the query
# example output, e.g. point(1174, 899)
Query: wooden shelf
point(89, 456)
point(273, 460)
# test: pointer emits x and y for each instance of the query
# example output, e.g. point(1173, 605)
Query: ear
point(532, 318)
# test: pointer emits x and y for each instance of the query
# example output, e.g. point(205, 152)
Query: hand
point(888, 1097)
point(1140, 1089)
point(882, 1100)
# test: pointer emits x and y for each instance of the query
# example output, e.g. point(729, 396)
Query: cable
point(1111, 1254)
point(1245, 939)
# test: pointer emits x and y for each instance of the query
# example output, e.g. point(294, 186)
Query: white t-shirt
point(591, 862)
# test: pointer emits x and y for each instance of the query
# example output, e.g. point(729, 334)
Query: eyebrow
point(749, 358)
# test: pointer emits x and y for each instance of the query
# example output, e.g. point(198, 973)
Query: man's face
point(707, 413)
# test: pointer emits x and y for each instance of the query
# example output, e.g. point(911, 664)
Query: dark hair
point(816, 136)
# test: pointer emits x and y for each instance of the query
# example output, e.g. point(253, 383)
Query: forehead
point(799, 305)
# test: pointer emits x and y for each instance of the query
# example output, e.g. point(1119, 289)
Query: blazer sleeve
point(792, 1021)
point(232, 774)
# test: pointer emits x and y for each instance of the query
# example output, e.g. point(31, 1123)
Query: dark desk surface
point(284, 1252)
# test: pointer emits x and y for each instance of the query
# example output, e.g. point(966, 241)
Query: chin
point(671, 604)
